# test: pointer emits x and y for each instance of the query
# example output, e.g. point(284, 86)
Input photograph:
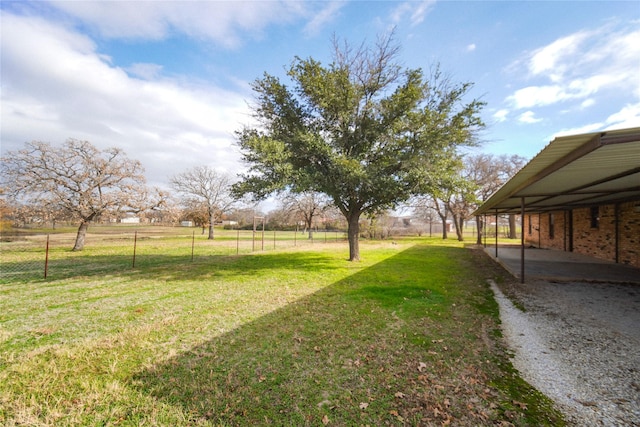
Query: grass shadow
point(396, 343)
point(170, 267)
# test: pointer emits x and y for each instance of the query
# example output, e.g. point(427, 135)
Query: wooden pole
point(135, 243)
point(193, 242)
point(46, 259)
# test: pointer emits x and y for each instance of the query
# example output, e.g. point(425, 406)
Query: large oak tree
point(78, 179)
point(362, 130)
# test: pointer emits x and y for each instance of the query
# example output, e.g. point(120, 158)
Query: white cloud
point(587, 103)
point(501, 115)
point(581, 66)
point(323, 17)
point(528, 117)
point(55, 85)
point(471, 47)
point(416, 10)
point(219, 21)
point(550, 60)
point(591, 127)
point(627, 117)
point(535, 96)
point(145, 71)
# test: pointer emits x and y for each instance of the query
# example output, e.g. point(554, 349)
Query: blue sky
point(169, 82)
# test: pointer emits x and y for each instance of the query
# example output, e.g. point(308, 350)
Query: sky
point(169, 82)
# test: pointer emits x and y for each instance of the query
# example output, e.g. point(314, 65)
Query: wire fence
point(49, 256)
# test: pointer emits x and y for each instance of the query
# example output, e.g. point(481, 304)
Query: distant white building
point(130, 220)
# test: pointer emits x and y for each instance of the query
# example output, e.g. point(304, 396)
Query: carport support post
point(484, 230)
point(522, 240)
point(496, 233)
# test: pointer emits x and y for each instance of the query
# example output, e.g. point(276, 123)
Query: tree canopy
point(78, 179)
point(362, 130)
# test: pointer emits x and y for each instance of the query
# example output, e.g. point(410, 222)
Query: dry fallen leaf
point(363, 405)
point(521, 405)
point(421, 366)
point(399, 394)
point(325, 420)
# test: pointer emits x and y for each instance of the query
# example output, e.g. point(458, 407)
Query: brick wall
point(594, 231)
point(629, 230)
point(540, 233)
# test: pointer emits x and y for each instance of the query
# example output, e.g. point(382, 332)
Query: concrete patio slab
point(554, 265)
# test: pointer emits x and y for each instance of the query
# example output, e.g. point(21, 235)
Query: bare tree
point(203, 185)
point(244, 215)
point(489, 174)
point(468, 182)
point(307, 206)
point(77, 178)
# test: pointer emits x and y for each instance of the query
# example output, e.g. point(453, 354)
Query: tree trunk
point(444, 226)
point(512, 227)
point(211, 221)
point(309, 223)
point(354, 237)
point(457, 221)
point(480, 227)
point(80, 237)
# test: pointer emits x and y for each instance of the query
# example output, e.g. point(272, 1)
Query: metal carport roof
point(574, 171)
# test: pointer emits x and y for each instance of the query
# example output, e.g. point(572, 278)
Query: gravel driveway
point(578, 343)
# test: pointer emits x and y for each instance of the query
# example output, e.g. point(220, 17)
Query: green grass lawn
point(299, 336)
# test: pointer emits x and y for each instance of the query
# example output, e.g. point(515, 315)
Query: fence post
point(46, 258)
point(238, 242)
point(135, 242)
point(193, 242)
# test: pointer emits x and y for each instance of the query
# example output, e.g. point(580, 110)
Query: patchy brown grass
point(408, 336)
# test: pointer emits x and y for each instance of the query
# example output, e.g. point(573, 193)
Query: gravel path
point(579, 344)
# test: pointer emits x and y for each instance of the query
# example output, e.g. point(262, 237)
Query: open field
point(293, 336)
point(25, 255)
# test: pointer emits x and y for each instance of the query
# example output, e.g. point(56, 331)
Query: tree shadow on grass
point(340, 353)
point(169, 267)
